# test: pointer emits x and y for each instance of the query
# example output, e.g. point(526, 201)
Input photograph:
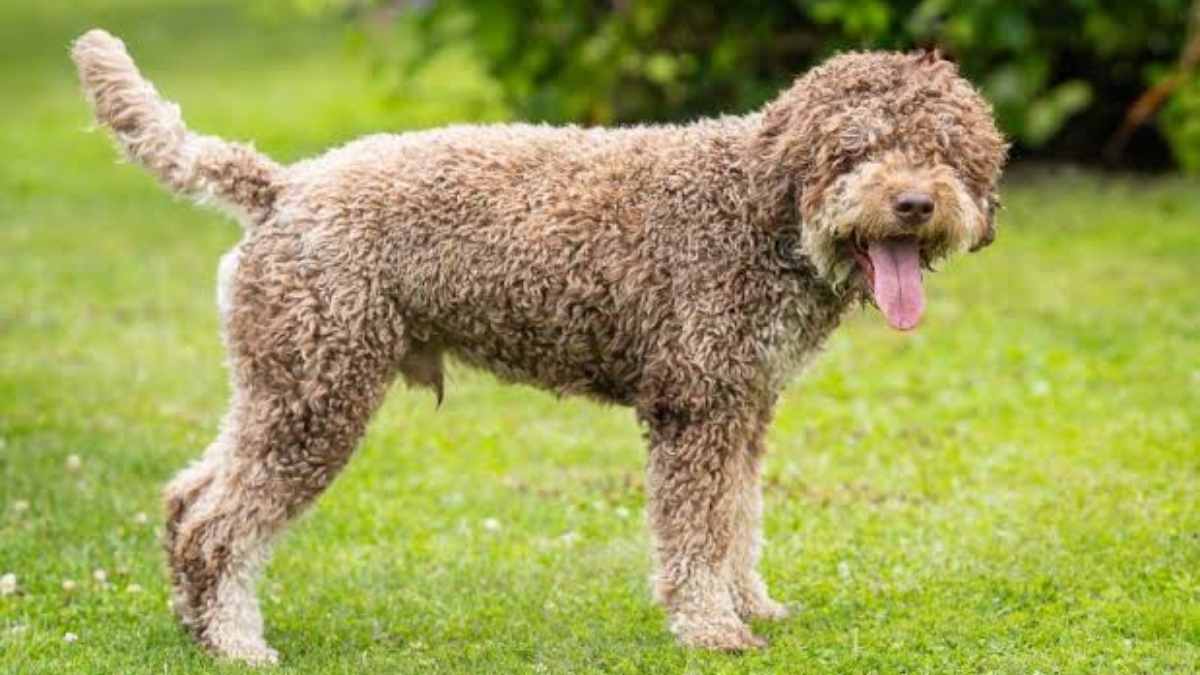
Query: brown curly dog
point(686, 271)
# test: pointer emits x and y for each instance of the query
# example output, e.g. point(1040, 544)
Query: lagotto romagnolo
point(688, 272)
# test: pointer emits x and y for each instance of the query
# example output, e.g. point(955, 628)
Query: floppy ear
point(989, 235)
point(989, 231)
point(803, 145)
point(778, 159)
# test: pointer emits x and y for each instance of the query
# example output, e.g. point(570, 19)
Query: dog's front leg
point(750, 597)
point(697, 469)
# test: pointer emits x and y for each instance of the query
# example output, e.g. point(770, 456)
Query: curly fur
point(685, 271)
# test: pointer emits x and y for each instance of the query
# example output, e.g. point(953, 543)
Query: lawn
point(1014, 488)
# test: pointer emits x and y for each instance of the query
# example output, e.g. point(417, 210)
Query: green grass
point(1011, 489)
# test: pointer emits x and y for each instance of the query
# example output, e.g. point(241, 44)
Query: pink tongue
point(897, 282)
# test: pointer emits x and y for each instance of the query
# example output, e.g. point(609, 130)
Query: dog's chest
point(794, 333)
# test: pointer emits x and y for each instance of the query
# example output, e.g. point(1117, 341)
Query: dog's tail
point(151, 132)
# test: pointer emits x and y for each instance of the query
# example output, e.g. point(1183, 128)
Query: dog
point(688, 272)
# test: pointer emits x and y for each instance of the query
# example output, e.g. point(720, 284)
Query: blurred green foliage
point(1181, 122)
point(1061, 73)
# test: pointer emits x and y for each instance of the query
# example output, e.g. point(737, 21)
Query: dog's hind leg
point(187, 489)
point(296, 417)
point(698, 466)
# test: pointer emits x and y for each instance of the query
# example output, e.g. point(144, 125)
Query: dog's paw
point(264, 656)
point(250, 652)
point(763, 608)
point(722, 635)
point(751, 601)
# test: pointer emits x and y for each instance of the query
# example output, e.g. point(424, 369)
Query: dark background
point(1106, 82)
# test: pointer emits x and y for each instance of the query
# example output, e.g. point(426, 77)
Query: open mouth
point(893, 271)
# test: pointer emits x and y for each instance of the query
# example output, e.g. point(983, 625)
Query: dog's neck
point(795, 307)
point(772, 200)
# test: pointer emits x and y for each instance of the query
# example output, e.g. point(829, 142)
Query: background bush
point(1061, 73)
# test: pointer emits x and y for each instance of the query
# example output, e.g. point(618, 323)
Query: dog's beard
point(892, 268)
point(885, 272)
point(884, 268)
point(859, 246)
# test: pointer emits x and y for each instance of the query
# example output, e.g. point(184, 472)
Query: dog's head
point(891, 162)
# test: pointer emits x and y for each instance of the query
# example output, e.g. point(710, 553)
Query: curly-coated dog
point(685, 271)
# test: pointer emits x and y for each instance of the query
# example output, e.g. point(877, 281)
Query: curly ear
point(989, 231)
point(989, 235)
point(776, 161)
point(804, 143)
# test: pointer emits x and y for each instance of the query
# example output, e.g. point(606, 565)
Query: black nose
point(913, 208)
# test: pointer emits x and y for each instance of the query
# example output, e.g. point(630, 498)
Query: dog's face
point(892, 162)
point(891, 216)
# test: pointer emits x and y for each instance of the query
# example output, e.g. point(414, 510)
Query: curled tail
point(151, 132)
